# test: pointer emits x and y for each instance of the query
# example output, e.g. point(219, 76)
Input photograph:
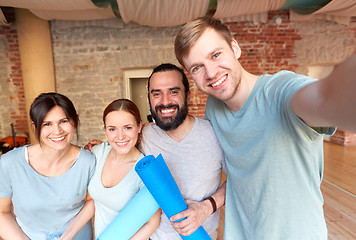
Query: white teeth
point(121, 143)
point(218, 82)
point(167, 110)
point(57, 139)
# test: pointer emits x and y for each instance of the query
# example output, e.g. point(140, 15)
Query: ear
point(33, 126)
point(188, 97)
point(140, 127)
point(236, 48)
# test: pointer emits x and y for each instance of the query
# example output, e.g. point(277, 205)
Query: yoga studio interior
point(94, 51)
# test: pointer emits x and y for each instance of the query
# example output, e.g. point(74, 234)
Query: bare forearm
point(219, 198)
point(148, 229)
point(9, 229)
point(198, 212)
point(85, 214)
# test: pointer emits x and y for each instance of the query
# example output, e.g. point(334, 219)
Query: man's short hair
point(189, 34)
point(164, 67)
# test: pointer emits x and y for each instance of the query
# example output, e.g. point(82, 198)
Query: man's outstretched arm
point(330, 101)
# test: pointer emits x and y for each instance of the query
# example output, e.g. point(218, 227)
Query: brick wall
point(12, 101)
point(267, 48)
point(90, 61)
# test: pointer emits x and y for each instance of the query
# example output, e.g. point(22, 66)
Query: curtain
point(337, 10)
point(3, 21)
point(161, 12)
point(229, 8)
point(50, 4)
point(89, 14)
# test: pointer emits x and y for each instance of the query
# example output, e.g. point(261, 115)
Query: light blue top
point(110, 201)
point(44, 205)
point(275, 164)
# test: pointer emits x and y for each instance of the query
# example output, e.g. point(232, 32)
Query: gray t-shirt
point(195, 162)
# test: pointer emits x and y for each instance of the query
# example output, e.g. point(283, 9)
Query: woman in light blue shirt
point(115, 181)
point(47, 182)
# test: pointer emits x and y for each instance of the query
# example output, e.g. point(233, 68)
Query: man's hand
point(195, 215)
point(91, 144)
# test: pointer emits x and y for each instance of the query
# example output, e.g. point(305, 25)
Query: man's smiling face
point(167, 98)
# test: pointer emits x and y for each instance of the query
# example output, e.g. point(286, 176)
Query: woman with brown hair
point(47, 182)
point(115, 181)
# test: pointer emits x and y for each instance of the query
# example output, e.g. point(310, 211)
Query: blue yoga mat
point(133, 216)
point(155, 174)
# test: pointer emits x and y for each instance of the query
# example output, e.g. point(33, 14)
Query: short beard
point(182, 113)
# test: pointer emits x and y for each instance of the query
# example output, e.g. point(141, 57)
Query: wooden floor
point(339, 191)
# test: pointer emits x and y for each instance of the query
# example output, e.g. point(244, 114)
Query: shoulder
point(203, 123)
point(148, 128)
point(86, 153)
point(214, 108)
point(285, 77)
point(281, 86)
point(204, 131)
point(101, 148)
point(281, 75)
point(153, 138)
point(14, 159)
point(13, 154)
point(147, 132)
point(87, 157)
point(151, 131)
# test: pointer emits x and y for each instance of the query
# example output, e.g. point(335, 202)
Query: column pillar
point(35, 45)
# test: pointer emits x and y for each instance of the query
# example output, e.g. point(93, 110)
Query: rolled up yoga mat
point(155, 174)
point(133, 216)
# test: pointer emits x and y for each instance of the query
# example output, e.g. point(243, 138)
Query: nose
point(210, 71)
point(57, 129)
point(166, 99)
point(120, 134)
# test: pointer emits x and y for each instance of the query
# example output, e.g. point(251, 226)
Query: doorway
point(136, 90)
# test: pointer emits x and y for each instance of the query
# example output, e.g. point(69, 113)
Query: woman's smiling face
point(122, 131)
point(57, 130)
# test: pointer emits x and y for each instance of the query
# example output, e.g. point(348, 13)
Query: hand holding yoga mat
point(133, 216)
point(155, 174)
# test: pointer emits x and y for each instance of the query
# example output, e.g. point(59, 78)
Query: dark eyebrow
point(64, 119)
point(58, 120)
point(174, 88)
point(170, 89)
point(155, 90)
